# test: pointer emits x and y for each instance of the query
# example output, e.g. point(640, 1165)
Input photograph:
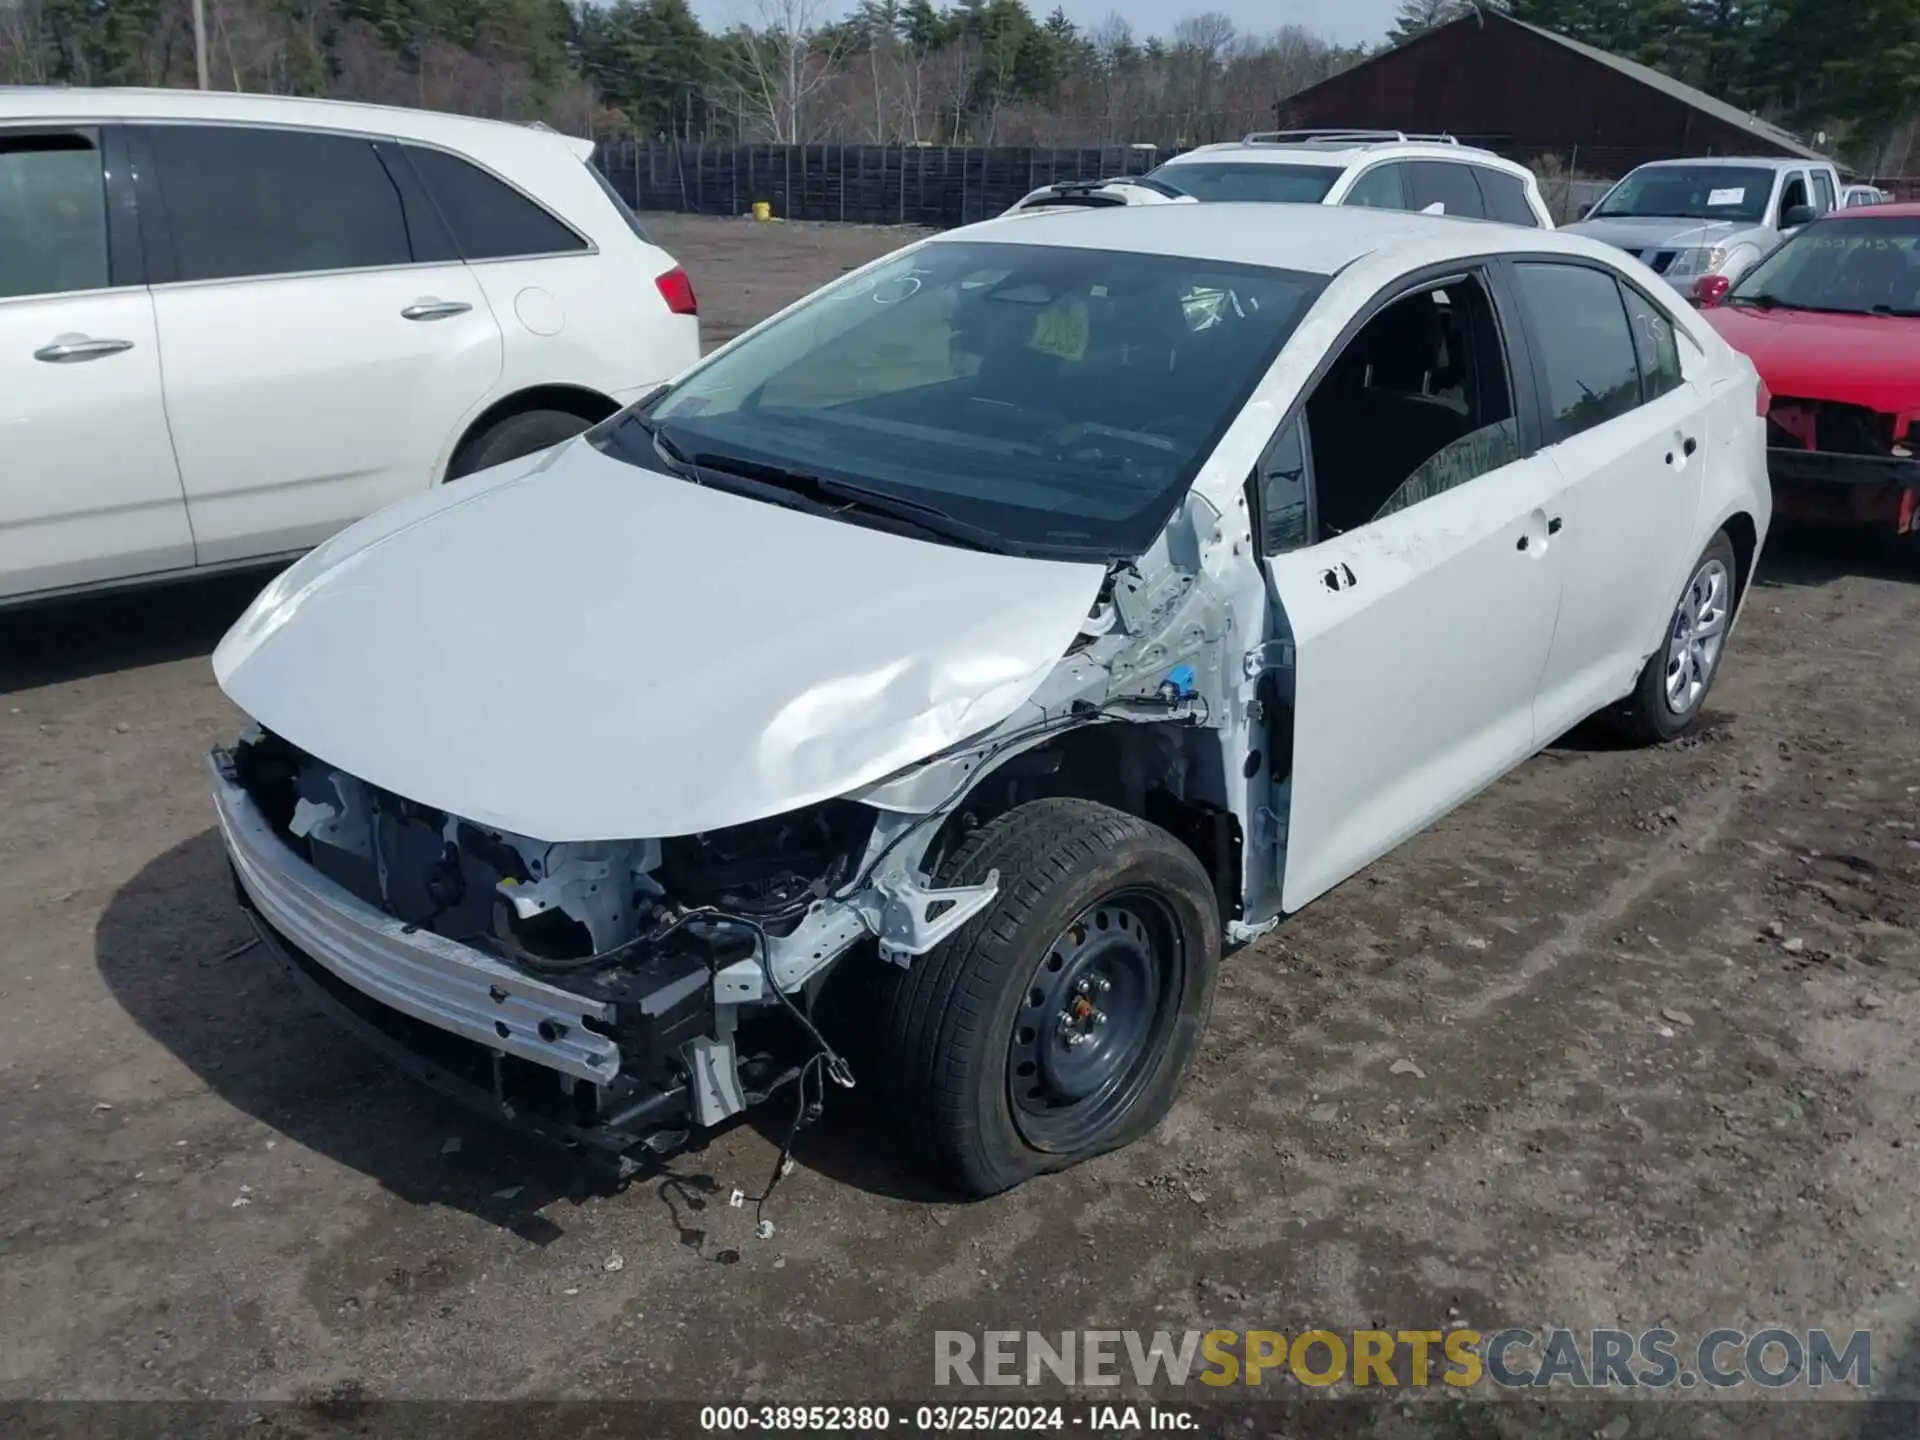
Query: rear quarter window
point(1506, 197)
point(490, 220)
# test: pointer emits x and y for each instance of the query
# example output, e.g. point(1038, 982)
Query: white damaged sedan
point(928, 685)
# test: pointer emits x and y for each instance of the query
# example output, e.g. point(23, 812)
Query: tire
point(1665, 704)
point(1089, 896)
point(514, 436)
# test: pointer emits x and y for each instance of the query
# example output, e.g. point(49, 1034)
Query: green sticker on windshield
point(1061, 329)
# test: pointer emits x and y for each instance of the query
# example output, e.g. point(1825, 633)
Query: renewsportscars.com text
point(1509, 1359)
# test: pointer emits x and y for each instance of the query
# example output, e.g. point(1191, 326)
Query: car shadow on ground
point(173, 949)
point(1806, 556)
point(70, 640)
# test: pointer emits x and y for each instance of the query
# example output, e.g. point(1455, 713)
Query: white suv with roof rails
point(353, 302)
point(1382, 169)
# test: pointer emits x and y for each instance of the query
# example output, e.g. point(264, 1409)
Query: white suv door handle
point(70, 349)
point(431, 309)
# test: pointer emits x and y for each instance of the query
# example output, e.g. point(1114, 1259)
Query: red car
point(1832, 322)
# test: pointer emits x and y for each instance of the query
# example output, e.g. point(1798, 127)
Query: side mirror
point(1588, 208)
point(1797, 215)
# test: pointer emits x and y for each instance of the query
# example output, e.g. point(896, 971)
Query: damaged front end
point(603, 994)
point(1840, 463)
point(613, 994)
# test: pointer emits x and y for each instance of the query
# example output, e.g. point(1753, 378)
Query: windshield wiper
point(828, 496)
point(659, 447)
point(1765, 301)
point(1904, 312)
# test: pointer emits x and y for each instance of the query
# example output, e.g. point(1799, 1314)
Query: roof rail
point(1322, 137)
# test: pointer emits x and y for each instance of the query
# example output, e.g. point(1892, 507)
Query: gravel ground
point(1659, 1009)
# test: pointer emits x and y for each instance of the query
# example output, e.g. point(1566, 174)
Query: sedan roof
point(1311, 239)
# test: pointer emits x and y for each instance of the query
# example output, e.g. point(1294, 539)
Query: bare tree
point(776, 66)
point(24, 57)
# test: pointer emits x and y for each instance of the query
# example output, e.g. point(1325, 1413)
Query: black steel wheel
point(1094, 1020)
point(1061, 1022)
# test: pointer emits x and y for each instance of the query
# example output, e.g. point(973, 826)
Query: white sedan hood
point(585, 650)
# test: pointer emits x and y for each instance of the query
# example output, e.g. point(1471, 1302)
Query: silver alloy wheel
point(1698, 631)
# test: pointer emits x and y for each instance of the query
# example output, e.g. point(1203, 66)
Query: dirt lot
point(1661, 1009)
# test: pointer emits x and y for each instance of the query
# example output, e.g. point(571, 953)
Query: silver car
point(1694, 219)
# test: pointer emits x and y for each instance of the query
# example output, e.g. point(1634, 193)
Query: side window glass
point(1794, 194)
point(1447, 183)
point(53, 215)
point(1281, 488)
point(1418, 403)
point(1589, 367)
point(490, 220)
point(1382, 188)
point(1506, 198)
point(1655, 343)
point(242, 201)
point(1822, 191)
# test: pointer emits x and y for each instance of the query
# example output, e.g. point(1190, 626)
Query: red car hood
point(1870, 360)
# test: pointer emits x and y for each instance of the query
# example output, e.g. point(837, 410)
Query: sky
point(1344, 21)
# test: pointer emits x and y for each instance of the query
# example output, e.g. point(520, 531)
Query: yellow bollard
point(762, 210)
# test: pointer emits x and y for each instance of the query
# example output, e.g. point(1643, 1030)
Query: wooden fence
point(936, 185)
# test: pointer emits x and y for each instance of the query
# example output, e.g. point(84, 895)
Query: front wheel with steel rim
point(1666, 702)
point(1060, 1022)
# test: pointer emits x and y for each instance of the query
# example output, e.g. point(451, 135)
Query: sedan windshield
point(1265, 184)
point(1860, 266)
point(1026, 398)
point(1691, 192)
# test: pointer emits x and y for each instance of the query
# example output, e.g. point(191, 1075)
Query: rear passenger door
point(1384, 187)
point(1627, 430)
point(88, 488)
point(537, 273)
point(324, 344)
point(1446, 184)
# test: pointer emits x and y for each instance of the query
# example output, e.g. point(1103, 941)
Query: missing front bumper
point(506, 1090)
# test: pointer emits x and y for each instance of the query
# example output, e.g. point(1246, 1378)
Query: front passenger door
point(1422, 609)
point(88, 488)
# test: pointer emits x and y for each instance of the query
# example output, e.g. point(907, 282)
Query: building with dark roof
point(1494, 81)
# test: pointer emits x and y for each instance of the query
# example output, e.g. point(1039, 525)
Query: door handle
point(1691, 445)
point(71, 350)
point(434, 309)
point(1553, 525)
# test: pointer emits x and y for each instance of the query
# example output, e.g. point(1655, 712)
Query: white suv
point(1384, 169)
point(231, 325)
